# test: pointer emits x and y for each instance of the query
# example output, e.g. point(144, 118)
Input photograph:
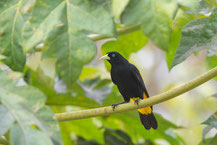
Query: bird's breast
point(125, 82)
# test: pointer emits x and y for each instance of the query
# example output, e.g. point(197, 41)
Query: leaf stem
point(120, 31)
point(176, 11)
point(146, 102)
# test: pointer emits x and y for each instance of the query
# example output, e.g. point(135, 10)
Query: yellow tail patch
point(145, 110)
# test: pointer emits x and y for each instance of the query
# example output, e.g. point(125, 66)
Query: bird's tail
point(146, 116)
point(148, 120)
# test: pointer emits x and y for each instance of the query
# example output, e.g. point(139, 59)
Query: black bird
point(131, 86)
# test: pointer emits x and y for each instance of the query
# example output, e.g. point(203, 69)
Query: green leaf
point(75, 96)
point(45, 114)
point(211, 62)
point(130, 122)
point(178, 24)
point(89, 73)
point(204, 7)
point(96, 89)
point(63, 27)
point(155, 22)
point(69, 14)
point(191, 40)
point(196, 35)
point(113, 98)
point(212, 51)
point(82, 141)
point(126, 44)
point(6, 120)
point(73, 54)
point(191, 5)
point(205, 131)
point(86, 128)
point(209, 141)
point(116, 137)
point(118, 6)
point(3, 140)
point(11, 23)
point(212, 120)
point(214, 95)
point(25, 104)
point(27, 136)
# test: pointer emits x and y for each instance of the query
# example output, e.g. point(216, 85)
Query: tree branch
point(120, 31)
point(146, 102)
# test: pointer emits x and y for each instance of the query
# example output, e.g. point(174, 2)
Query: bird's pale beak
point(105, 57)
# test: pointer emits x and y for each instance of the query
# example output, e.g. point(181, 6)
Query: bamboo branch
point(146, 102)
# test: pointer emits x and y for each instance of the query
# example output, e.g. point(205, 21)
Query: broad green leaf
point(214, 95)
point(210, 29)
point(28, 136)
point(129, 122)
point(181, 20)
point(212, 120)
point(66, 134)
point(96, 89)
point(3, 140)
point(209, 141)
point(73, 54)
point(25, 103)
point(86, 128)
point(45, 115)
point(74, 96)
point(93, 16)
point(6, 120)
point(172, 137)
point(191, 40)
point(211, 62)
point(11, 23)
point(192, 5)
point(212, 51)
point(116, 137)
point(205, 131)
point(126, 44)
point(82, 141)
point(196, 35)
point(204, 7)
point(118, 6)
point(62, 27)
point(40, 80)
point(113, 98)
point(155, 22)
point(89, 73)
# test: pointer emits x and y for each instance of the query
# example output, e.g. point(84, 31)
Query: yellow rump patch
point(145, 110)
point(144, 95)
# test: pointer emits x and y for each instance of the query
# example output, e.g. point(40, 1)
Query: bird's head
point(114, 58)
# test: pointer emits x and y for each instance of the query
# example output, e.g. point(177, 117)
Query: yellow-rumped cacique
point(131, 86)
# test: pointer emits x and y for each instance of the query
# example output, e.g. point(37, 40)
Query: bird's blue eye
point(113, 55)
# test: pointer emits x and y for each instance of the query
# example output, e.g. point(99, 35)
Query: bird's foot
point(137, 101)
point(115, 105)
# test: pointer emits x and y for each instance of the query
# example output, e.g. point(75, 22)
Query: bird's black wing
point(113, 77)
point(136, 75)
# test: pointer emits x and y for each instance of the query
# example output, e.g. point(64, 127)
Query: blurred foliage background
point(49, 54)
